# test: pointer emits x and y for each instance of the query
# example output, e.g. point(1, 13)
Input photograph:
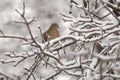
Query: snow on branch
point(84, 52)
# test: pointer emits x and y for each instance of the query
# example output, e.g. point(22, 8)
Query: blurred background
point(46, 12)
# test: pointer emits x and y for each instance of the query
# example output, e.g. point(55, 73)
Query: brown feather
point(52, 32)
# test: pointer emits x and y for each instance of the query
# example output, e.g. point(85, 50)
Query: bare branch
point(16, 37)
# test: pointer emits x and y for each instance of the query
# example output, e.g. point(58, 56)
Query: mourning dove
point(52, 32)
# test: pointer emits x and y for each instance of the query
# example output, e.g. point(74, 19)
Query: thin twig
point(16, 37)
point(31, 73)
point(41, 33)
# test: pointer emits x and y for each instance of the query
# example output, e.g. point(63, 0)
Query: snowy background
point(45, 11)
point(94, 55)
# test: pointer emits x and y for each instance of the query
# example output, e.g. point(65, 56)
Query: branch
point(7, 77)
point(16, 37)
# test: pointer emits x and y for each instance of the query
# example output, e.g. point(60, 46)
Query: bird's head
point(54, 25)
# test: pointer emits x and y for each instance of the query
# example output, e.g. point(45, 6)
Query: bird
point(51, 33)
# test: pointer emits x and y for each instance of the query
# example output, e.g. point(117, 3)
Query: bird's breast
point(53, 34)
